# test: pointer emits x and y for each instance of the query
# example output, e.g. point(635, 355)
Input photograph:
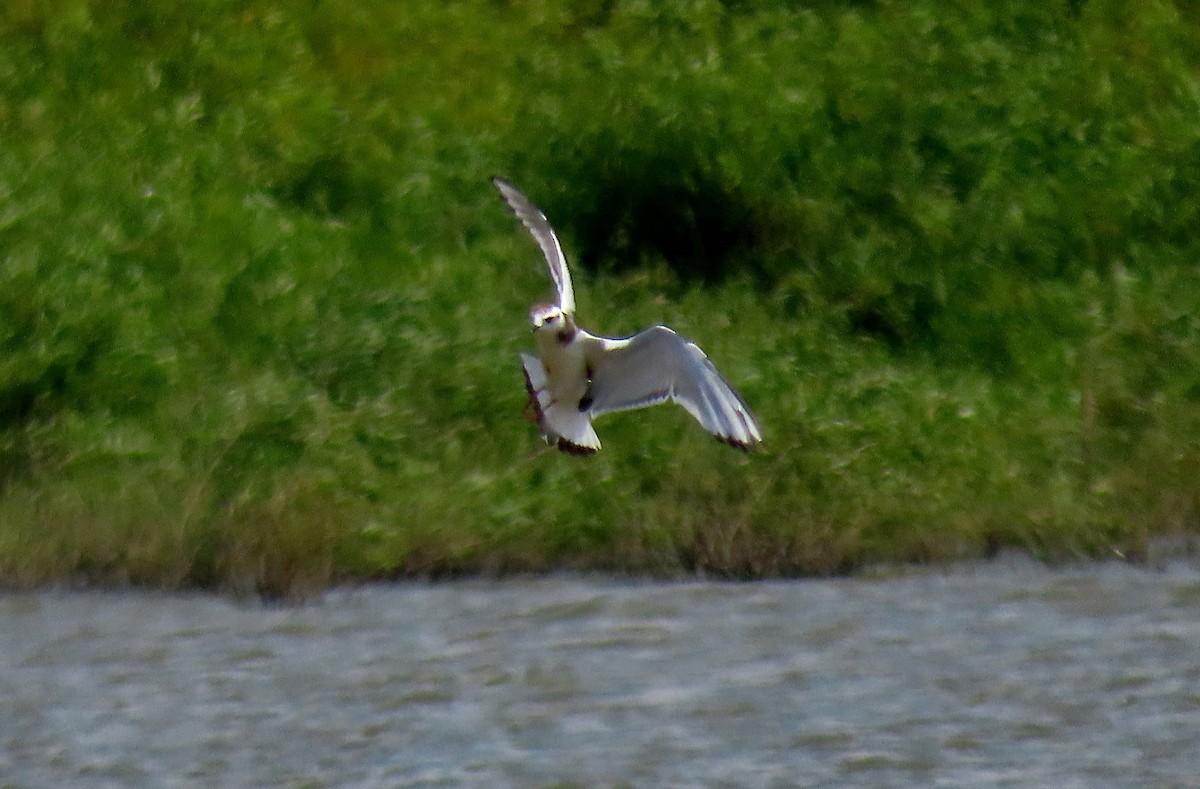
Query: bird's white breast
point(566, 365)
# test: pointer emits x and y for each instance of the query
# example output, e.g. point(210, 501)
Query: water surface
point(1005, 674)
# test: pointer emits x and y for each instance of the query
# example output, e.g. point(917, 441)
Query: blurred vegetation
point(260, 307)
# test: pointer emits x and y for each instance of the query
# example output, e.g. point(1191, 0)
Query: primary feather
point(539, 227)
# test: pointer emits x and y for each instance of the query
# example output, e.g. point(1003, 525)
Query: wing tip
point(577, 450)
point(739, 444)
point(507, 192)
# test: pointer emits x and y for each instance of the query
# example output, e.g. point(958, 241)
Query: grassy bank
point(260, 307)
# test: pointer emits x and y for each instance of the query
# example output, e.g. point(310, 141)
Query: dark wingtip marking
point(532, 404)
point(572, 448)
point(744, 446)
point(533, 399)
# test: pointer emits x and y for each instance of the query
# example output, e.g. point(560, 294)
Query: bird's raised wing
point(658, 365)
point(539, 227)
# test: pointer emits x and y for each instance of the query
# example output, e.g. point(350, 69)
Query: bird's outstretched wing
point(539, 227)
point(658, 365)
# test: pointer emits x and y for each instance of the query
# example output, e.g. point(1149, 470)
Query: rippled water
point(1002, 674)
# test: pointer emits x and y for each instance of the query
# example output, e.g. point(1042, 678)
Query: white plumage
point(539, 227)
point(578, 375)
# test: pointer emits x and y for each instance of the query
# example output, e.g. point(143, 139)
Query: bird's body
point(558, 380)
point(578, 375)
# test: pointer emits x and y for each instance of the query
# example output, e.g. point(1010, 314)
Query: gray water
point(1004, 674)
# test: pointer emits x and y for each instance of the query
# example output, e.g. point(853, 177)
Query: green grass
point(260, 307)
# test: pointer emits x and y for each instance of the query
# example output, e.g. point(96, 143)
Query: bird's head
point(546, 316)
point(551, 319)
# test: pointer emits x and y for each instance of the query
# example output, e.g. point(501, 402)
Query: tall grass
point(260, 309)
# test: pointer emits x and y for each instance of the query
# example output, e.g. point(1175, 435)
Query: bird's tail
point(561, 424)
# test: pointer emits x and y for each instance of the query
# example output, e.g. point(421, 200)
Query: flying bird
point(577, 375)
